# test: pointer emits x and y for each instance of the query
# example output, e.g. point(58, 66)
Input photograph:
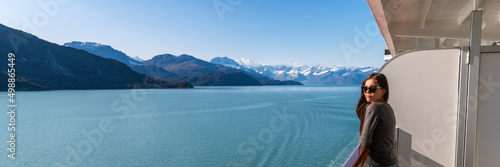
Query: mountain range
point(182, 68)
point(188, 68)
point(41, 65)
point(305, 74)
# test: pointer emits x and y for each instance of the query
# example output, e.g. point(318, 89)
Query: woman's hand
point(363, 154)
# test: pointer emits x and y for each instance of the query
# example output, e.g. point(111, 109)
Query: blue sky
point(267, 31)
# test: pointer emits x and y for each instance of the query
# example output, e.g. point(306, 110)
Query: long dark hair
point(362, 103)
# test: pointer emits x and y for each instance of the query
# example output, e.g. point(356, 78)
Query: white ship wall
point(424, 95)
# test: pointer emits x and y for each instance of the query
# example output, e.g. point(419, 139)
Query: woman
point(377, 122)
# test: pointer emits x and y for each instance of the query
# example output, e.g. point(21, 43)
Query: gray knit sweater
point(378, 134)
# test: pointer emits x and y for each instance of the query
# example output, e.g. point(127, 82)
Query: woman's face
point(376, 96)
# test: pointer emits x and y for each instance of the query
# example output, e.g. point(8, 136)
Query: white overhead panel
point(416, 24)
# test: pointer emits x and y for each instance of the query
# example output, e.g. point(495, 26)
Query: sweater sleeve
point(372, 119)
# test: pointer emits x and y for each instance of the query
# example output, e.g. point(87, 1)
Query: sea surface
point(204, 126)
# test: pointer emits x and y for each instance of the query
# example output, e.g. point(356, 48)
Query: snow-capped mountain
point(305, 74)
point(105, 51)
point(137, 58)
point(248, 63)
point(226, 62)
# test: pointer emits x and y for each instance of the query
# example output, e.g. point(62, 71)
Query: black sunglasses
point(371, 89)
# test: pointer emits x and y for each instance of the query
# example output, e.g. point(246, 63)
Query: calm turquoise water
point(205, 126)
